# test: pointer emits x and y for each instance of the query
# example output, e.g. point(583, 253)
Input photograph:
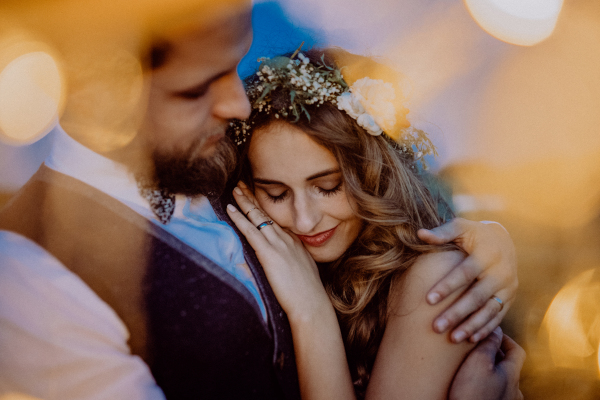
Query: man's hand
point(490, 269)
point(480, 377)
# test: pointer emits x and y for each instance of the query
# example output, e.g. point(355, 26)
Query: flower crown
point(301, 83)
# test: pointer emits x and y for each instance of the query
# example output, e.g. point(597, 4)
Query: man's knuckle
point(469, 274)
point(479, 298)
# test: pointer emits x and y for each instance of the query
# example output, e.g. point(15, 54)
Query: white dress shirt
point(58, 339)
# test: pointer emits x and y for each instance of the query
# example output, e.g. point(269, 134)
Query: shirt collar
point(71, 158)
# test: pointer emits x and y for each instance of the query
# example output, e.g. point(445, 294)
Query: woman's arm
point(320, 357)
point(413, 361)
point(292, 273)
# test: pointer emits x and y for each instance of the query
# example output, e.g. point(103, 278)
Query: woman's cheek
point(270, 208)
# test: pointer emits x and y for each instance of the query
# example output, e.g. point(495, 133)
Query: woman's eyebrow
point(310, 178)
point(266, 181)
point(324, 173)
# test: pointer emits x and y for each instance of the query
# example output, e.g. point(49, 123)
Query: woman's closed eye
point(325, 190)
point(329, 191)
point(277, 198)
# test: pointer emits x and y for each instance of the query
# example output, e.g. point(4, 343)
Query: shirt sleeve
point(58, 339)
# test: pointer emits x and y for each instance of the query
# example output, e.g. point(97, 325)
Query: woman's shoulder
point(411, 353)
point(435, 265)
point(410, 290)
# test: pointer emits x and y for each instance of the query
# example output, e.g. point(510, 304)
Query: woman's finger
point(257, 240)
point(255, 214)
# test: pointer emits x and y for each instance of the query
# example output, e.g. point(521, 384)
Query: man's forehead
point(227, 38)
point(233, 23)
point(202, 53)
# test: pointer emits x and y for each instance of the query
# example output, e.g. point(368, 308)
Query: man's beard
point(192, 175)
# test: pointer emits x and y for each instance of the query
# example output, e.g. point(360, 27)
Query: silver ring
point(248, 212)
point(499, 300)
point(266, 223)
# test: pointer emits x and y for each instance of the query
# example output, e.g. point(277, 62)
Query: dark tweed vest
point(197, 327)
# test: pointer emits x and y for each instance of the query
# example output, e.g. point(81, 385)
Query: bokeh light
point(521, 22)
point(565, 322)
point(18, 396)
point(30, 98)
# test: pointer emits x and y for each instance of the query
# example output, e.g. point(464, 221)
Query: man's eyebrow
point(201, 87)
point(310, 178)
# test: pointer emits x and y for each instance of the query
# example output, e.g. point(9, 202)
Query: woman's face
point(299, 184)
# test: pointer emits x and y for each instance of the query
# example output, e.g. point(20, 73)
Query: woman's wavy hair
point(392, 200)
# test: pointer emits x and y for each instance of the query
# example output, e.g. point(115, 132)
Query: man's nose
point(231, 100)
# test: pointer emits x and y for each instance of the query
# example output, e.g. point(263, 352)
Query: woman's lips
point(319, 239)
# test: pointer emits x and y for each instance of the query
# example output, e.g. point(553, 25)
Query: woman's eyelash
point(324, 192)
point(330, 192)
point(280, 198)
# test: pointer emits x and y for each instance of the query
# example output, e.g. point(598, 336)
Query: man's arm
point(58, 339)
point(490, 269)
point(481, 377)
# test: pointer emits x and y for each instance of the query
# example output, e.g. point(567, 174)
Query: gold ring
point(248, 212)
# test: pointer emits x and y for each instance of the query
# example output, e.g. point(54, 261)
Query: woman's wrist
point(318, 309)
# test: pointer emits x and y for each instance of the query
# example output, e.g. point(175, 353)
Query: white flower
point(369, 124)
point(377, 98)
point(350, 103)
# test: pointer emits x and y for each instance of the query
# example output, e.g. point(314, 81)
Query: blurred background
point(509, 91)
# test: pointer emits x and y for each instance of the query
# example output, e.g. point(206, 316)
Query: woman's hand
point(490, 269)
point(318, 346)
point(291, 271)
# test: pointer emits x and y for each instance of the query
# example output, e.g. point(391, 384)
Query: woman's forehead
point(283, 150)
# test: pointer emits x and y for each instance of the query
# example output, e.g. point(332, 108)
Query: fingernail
point(238, 191)
point(498, 332)
point(459, 336)
point(441, 324)
point(476, 338)
point(242, 185)
point(433, 298)
point(231, 208)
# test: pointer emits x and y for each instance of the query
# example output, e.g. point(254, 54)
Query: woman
point(334, 179)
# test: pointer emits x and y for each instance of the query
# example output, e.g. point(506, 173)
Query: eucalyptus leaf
point(265, 92)
point(279, 62)
point(305, 112)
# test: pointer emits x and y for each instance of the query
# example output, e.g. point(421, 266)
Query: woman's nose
point(306, 215)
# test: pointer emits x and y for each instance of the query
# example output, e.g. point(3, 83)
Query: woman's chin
point(321, 255)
